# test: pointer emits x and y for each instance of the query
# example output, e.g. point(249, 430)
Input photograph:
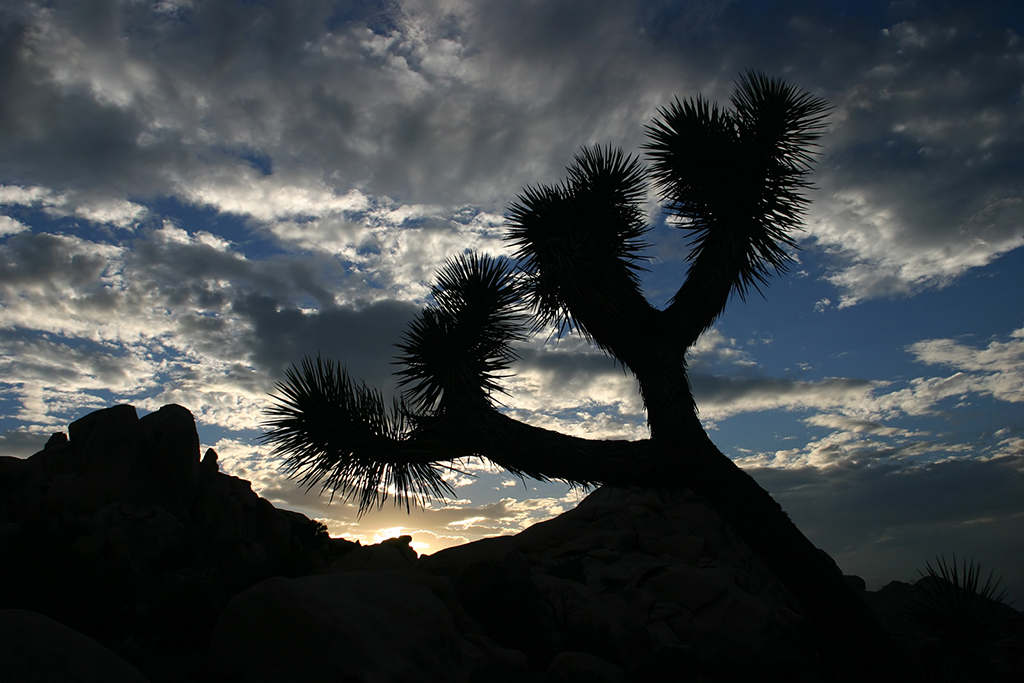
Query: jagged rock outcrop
point(368, 626)
point(121, 533)
point(37, 649)
point(628, 586)
point(646, 583)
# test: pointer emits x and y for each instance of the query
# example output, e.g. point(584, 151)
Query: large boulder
point(113, 457)
point(171, 445)
point(628, 578)
point(128, 492)
point(124, 532)
point(359, 626)
point(37, 649)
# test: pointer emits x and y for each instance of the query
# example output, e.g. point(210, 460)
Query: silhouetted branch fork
point(700, 467)
point(436, 443)
point(734, 178)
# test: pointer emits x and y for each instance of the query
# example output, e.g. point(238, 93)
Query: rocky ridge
point(120, 531)
point(121, 548)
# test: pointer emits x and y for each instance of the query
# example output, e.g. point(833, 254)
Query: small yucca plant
point(961, 616)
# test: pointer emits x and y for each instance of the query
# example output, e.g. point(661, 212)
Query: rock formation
point(647, 582)
point(123, 551)
point(120, 531)
point(34, 647)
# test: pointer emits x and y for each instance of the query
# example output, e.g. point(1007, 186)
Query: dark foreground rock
point(651, 584)
point(140, 554)
point(37, 649)
point(123, 533)
point(360, 626)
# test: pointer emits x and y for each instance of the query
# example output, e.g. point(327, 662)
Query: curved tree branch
point(735, 179)
point(416, 459)
point(336, 434)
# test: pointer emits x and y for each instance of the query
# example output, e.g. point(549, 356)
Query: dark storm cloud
point(44, 260)
point(715, 392)
point(455, 102)
point(885, 522)
point(923, 165)
point(443, 107)
point(21, 444)
point(577, 362)
point(362, 338)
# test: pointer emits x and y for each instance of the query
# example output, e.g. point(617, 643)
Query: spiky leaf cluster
point(956, 609)
point(735, 177)
point(331, 431)
point(456, 351)
point(579, 242)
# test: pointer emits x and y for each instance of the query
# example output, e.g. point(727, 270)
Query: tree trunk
point(685, 458)
point(809, 573)
point(680, 453)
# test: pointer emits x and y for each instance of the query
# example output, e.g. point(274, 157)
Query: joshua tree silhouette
point(733, 179)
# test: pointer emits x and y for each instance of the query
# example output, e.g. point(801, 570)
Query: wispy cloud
point(184, 212)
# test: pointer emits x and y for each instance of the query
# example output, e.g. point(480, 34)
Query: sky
point(195, 195)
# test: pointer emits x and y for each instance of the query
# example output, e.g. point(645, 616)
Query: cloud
point(880, 423)
point(321, 160)
point(919, 182)
point(881, 522)
point(719, 397)
point(884, 523)
point(434, 526)
point(21, 443)
point(569, 386)
point(857, 444)
point(996, 370)
point(714, 350)
point(996, 357)
point(362, 338)
point(428, 542)
point(179, 311)
point(289, 115)
point(254, 119)
point(104, 210)
point(11, 226)
point(849, 424)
